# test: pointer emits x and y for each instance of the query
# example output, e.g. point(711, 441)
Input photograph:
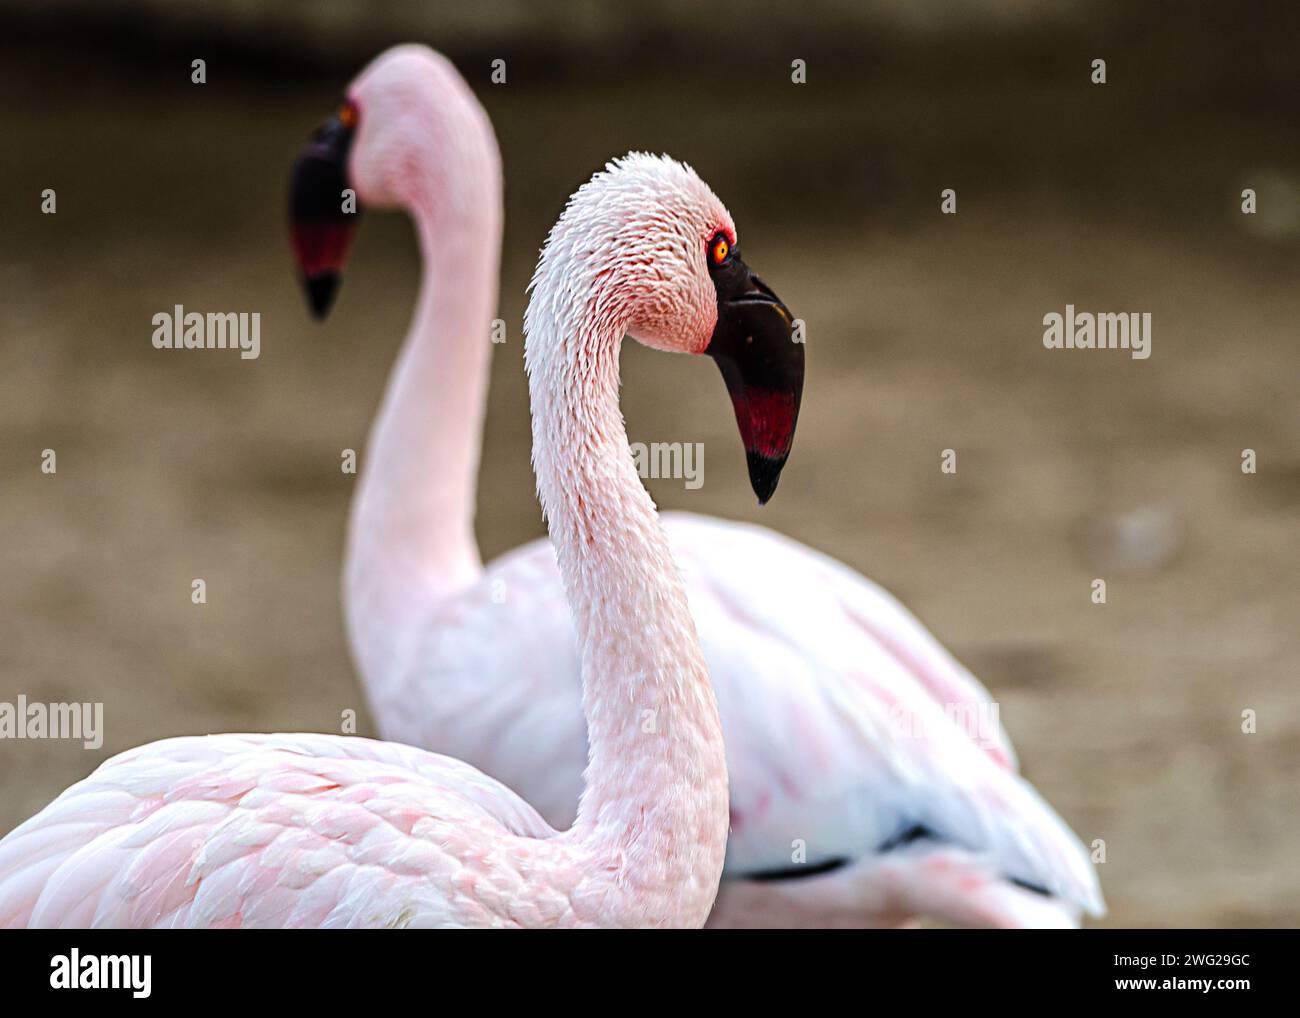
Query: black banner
point(1197, 969)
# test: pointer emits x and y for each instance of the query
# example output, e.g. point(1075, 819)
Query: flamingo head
point(656, 243)
point(408, 133)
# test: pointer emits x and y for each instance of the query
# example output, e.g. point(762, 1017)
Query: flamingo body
point(284, 831)
point(843, 725)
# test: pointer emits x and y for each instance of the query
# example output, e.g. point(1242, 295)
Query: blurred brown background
point(924, 333)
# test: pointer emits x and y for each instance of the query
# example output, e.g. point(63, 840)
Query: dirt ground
point(924, 333)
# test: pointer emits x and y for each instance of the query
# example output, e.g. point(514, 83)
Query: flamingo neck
point(654, 805)
point(411, 534)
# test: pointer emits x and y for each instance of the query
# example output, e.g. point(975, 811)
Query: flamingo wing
point(277, 830)
point(734, 561)
point(852, 735)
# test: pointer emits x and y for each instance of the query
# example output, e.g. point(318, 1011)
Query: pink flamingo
point(314, 830)
point(859, 793)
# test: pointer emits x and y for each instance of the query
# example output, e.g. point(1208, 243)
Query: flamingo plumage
point(859, 792)
point(285, 830)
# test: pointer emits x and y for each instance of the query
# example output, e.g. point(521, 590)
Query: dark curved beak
point(322, 213)
point(755, 348)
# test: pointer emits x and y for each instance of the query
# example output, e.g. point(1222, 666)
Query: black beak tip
point(764, 473)
point(321, 290)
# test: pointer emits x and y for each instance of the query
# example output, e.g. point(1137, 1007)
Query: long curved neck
point(655, 796)
point(411, 533)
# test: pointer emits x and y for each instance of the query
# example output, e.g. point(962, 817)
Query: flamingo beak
point(762, 364)
point(323, 209)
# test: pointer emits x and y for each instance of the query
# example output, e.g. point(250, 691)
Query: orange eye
point(348, 115)
point(721, 248)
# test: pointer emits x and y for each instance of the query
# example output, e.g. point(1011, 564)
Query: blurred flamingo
point(870, 780)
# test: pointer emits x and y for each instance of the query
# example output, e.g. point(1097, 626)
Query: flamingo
point(860, 795)
point(316, 830)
